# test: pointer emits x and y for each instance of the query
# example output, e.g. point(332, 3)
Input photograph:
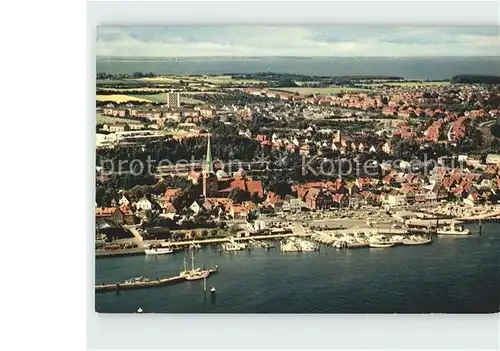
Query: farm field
point(322, 91)
point(199, 79)
point(120, 98)
point(141, 89)
point(101, 119)
point(162, 98)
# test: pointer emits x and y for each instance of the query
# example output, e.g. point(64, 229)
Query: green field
point(101, 119)
point(120, 98)
point(322, 91)
point(192, 79)
point(162, 98)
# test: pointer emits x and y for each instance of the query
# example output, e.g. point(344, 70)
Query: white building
point(195, 207)
point(296, 204)
point(493, 159)
point(124, 201)
point(394, 200)
point(173, 100)
point(144, 204)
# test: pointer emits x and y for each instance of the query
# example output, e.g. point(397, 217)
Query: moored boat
point(194, 273)
point(416, 240)
point(453, 229)
point(380, 241)
point(381, 245)
point(197, 274)
point(233, 245)
point(159, 251)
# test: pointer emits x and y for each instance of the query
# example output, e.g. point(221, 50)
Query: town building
point(173, 99)
point(493, 159)
point(144, 204)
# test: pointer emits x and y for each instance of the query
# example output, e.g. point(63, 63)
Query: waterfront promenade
point(223, 240)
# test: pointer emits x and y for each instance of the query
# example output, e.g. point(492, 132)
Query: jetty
point(128, 285)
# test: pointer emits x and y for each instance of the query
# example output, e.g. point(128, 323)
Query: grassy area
point(191, 79)
point(141, 89)
point(101, 119)
point(322, 91)
point(120, 98)
point(161, 79)
point(162, 98)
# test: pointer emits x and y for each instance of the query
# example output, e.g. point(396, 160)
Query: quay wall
point(119, 253)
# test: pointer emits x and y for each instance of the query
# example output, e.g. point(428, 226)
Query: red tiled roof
point(338, 197)
point(169, 208)
point(170, 193)
point(104, 211)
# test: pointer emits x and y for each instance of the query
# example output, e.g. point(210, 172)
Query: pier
point(224, 240)
point(144, 284)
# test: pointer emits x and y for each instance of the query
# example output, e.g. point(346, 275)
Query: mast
point(192, 259)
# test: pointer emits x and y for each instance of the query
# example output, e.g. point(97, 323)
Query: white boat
point(233, 245)
point(416, 240)
point(381, 245)
point(453, 229)
point(159, 251)
point(380, 241)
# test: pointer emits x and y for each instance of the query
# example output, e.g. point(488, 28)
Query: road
point(484, 127)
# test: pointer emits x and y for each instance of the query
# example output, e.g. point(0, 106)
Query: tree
point(252, 216)
point(105, 201)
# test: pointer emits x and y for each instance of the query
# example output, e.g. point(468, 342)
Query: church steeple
point(210, 183)
point(208, 167)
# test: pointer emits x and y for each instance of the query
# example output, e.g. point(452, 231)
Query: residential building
point(394, 200)
point(123, 201)
point(195, 207)
point(173, 99)
point(493, 159)
point(144, 204)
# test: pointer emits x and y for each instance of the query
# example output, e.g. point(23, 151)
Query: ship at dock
point(452, 229)
point(233, 245)
point(158, 250)
point(193, 273)
point(380, 242)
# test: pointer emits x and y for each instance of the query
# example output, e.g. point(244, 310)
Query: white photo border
point(120, 331)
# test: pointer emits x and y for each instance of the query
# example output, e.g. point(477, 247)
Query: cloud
point(297, 41)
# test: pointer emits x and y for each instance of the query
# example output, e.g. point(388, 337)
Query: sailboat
point(193, 274)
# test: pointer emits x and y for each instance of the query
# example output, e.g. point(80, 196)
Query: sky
point(297, 41)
